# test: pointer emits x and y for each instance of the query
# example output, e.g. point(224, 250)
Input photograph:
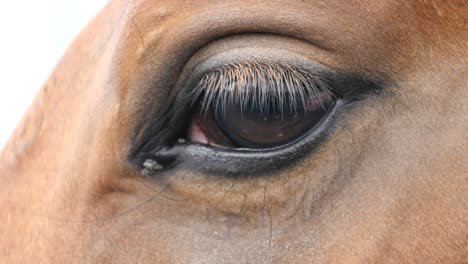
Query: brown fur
point(387, 186)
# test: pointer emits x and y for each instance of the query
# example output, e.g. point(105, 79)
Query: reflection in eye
point(258, 105)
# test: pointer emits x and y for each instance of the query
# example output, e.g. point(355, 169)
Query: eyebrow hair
point(260, 83)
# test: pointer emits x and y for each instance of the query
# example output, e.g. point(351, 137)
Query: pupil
point(254, 127)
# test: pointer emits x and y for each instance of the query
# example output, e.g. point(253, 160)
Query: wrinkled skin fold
point(386, 185)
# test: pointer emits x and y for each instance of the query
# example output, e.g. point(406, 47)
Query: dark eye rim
point(243, 162)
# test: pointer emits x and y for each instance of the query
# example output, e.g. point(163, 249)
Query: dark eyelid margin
point(159, 142)
point(215, 161)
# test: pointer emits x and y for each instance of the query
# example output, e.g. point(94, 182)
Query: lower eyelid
point(243, 162)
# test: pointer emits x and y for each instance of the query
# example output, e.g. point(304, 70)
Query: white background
point(33, 36)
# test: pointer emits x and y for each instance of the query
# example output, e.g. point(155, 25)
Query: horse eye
point(255, 125)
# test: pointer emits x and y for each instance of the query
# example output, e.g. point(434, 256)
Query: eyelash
point(260, 84)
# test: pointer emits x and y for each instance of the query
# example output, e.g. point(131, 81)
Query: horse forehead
point(440, 8)
point(393, 21)
point(325, 9)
